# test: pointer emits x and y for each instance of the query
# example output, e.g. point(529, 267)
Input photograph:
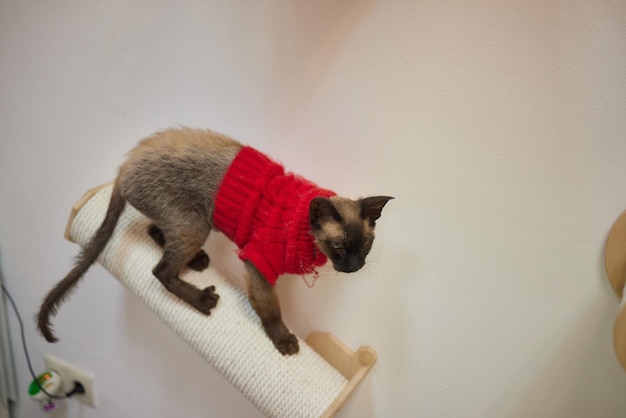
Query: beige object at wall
point(615, 260)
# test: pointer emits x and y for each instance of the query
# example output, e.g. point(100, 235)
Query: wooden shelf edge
point(77, 207)
point(352, 365)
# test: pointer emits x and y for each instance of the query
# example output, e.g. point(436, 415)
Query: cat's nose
point(353, 264)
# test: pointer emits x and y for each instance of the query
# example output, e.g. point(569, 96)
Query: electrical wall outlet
point(70, 374)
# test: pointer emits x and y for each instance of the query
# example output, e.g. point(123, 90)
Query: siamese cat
point(188, 182)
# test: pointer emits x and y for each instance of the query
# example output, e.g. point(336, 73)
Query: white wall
point(498, 126)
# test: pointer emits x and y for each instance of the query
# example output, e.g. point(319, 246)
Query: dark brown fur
point(171, 177)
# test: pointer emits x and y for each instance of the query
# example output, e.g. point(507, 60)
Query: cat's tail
point(84, 260)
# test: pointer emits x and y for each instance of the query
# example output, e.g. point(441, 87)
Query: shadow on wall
point(560, 388)
point(306, 47)
point(586, 353)
point(296, 43)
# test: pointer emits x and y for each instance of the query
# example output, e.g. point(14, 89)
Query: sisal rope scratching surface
point(231, 339)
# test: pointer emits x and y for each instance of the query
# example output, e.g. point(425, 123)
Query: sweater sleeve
point(253, 252)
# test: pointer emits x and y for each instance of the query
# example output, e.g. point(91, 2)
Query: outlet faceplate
point(70, 374)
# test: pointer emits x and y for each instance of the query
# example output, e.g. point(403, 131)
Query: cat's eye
point(336, 244)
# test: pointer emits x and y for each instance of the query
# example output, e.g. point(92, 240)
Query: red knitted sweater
point(265, 211)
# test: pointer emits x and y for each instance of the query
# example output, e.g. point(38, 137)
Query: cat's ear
point(371, 207)
point(322, 210)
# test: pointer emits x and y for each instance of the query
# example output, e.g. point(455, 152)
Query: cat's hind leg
point(198, 263)
point(181, 246)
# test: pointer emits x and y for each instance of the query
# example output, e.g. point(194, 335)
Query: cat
point(190, 181)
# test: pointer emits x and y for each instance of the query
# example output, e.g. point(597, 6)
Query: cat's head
point(343, 228)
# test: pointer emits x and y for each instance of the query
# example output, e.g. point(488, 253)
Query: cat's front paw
point(287, 345)
point(207, 300)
